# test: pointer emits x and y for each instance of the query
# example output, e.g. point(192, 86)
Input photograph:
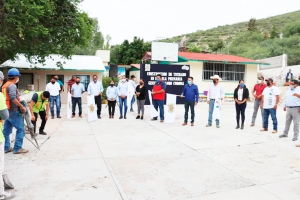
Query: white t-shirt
point(53, 89)
point(240, 94)
point(269, 94)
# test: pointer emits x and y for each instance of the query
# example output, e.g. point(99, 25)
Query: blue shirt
point(111, 92)
point(77, 89)
point(60, 83)
point(122, 88)
point(190, 92)
point(95, 88)
point(290, 100)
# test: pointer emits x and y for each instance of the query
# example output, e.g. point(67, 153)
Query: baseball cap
point(261, 78)
point(1, 75)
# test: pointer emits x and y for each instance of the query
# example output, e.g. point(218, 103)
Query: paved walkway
point(113, 159)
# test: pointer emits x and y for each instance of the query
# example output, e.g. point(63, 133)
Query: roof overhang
point(75, 63)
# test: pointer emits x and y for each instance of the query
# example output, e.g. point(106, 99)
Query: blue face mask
point(158, 80)
point(242, 85)
point(189, 82)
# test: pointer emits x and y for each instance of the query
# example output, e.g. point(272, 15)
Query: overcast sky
point(151, 19)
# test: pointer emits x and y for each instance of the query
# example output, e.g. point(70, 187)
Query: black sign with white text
point(175, 77)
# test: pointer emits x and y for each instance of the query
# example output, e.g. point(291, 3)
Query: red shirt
point(258, 88)
point(157, 87)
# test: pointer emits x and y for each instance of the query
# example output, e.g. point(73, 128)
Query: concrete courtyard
point(112, 159)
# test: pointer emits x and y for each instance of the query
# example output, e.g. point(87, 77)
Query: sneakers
point(263, 129)
point(297, 145)
point(283, 135)
point(138, 117)
point(121, 117)
point(218, 126)
point(58, 117)
point(73, 116)
point(295, 139)
point(242, 126)
point(9, 150)
point(142, 117)
point(153, 119)
point(99, 117)
point(52, 117)
point(21, 151)
point(161, 121)
point(184, 124)
point(237, 127)
point(274, 131)
point(7, 195)
point(42, 133)
point(192, 123)
point(125, 117)
point(252, 125)
point(208, 125)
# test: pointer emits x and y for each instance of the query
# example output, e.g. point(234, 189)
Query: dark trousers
point(98, 103)
point(111, 108)
point(43, 118)
point(76, 100)
point(187, 105)
point(159, 104)
point(240, 111)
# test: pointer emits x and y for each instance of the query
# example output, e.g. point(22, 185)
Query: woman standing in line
point(111, 94)
point(141, 92)
point(241, 94)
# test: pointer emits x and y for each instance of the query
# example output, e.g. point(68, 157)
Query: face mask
point(95, 80)
point(111, 85)
point(123, 80)
point(53, 82)
point(1, 84)
point(17, 80)
point(268, 83)
point(259, 81)
point(189, 82)
point(141, 83)
point(292, 87)
point(158, 80)
point(242, 85)
point(77, 82)
point(214, 81)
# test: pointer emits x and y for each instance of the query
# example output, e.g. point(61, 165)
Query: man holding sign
point(158, 94)
point(191, 95)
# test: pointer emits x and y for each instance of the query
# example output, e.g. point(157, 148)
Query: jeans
point(98, 103)
point(188, 104)
point(140, 104)
point(132, 102)
point(57, 103)
point(121, 102)
point(159, 104)
point(111, 107)
point(256, 107)
point(76, 100)
point(267, 112)
point(43, 118)
point(210, 112)
point(15, 120)
point(240, 110)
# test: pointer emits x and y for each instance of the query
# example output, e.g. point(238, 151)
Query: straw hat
point(216, 77)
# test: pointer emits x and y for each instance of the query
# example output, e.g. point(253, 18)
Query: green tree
point(292, 28)
point(217, 46)
point(40, 28)
point(96, 42)
point(274, 32)
point(195, 49)
point(252, 25)
point(129, 52)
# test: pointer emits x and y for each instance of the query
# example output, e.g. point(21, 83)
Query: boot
point(7, 183)
point(242, 126)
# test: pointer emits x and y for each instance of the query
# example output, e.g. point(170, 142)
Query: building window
point(228, 72)
point(84, 79)
point(25, 80)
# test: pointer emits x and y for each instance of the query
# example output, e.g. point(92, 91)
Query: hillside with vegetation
point(254, 39)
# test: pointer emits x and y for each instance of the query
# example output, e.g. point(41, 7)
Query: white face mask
point(259, 81)
point(17, 80)
point(123, 80)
